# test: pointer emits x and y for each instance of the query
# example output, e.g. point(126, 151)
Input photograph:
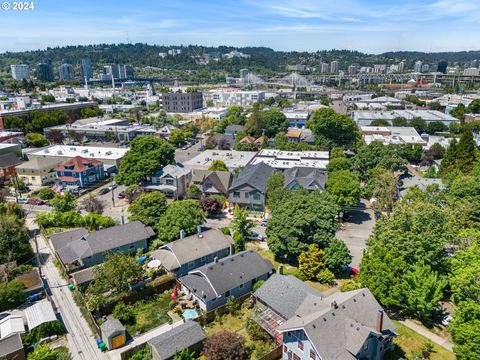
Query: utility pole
point(113, 195)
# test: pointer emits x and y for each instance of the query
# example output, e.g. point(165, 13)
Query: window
point(256, 196)
point(227, 294)
point(296, 357)
point(132, 246)
point(285, 349)
point(300, 344)
point(241, 286)
point(203, 258)
point(236, 194)
point(312, 355)
point(289, 354)
point(169, 181)
point(191, 264)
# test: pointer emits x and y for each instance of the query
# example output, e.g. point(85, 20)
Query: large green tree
point(241, 227)
point(337, 256)
point(14, 244)
point(344, 186)
point(148, 208)
point(146, 155)
point(183, 215)
point(302, 219)
point(11, 294)
point(333, 129)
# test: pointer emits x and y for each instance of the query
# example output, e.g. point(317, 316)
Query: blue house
point(350, 325)
point(191, 252)
point(248, 189)
point(79, 172)
point(211, 285)
point(79, 249)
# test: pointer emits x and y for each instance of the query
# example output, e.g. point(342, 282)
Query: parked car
point(121, 195)
point(35, 201)
point(263, 222)
point(446, 320)
point(104, 191)
point(22, 200)
point(255, 236)
point(112, 187)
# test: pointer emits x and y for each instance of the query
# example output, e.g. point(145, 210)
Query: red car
point(35, 201)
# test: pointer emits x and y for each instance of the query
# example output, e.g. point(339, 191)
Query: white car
point(446, 320)
point(255, 236)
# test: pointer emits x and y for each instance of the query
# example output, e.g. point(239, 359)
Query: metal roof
point(39, 313)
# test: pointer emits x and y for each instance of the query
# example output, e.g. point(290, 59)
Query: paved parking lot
point(356, 231)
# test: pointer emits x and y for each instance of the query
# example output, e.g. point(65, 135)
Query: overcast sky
point(372, 26)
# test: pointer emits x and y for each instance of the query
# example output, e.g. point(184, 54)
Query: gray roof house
point(249, 187)
point(307, 178)
point(11, 348)
point(183, 255)
point(212, 182)
point(171, 180)
point(408, 181)
point(79, 249)
point(349, 325)
point(284, 294)
point(231, 277)
point(189, 335)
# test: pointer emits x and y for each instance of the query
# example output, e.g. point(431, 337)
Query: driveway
point(356, 231)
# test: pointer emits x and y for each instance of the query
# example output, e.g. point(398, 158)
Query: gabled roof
point(79, 163)
point(79, 243)
point(285, 294)
point(247, 140)
point(11, 324)
point(177, 170)
point(255, 176)
point(110, 327)
point(220, 180)
point(339, 324)
point(9, 159)
point(215, 279)
point(182, 251)
point(308, 178)
point(181, 337)
point(40, 162)
point(39, 313)
point(236, 128)
point(10, 344)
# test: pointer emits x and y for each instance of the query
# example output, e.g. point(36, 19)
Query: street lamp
point(113, 195)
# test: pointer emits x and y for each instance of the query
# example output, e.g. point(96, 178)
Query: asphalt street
point(81, 343)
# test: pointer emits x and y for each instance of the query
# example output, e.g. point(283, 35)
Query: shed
point(113, 333)
point(39, 313)
point(189, 335)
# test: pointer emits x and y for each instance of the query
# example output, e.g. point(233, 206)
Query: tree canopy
point(344, 187)
point(148, 208)
point(333, 129)
point(146, 155)
point(302, 219)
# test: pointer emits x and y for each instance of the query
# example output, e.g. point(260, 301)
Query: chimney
point(215, 259)
point(334, 305)
point(280, 269)
point(199, 229)
point(379, 323)
point(182, 234)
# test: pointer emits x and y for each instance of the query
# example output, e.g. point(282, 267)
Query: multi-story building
point(230, 96)
point(401, 67)
point(20, 72)
point(244, 73)
point(352, 69)
point(417, 67)
point(471, 71)
point(182, 102)
point(79, 172)
point(334, 66)
point(364, 118)
point(65, 71)
point(44, 71)
point(324, 68)
point(86, 69)
point(442, 66)
point(171, 180)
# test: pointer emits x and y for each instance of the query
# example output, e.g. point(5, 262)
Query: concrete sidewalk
point(142, 339)
point(428, 334)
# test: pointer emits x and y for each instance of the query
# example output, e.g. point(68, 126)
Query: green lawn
point(236, 323)
point(268, 254)
point(409, 342)
point(149, 314)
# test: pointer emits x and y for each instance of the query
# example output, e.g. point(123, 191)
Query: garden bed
point(237, 323)
point(145, 315)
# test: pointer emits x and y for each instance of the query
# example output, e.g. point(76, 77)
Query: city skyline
point(368, 26)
